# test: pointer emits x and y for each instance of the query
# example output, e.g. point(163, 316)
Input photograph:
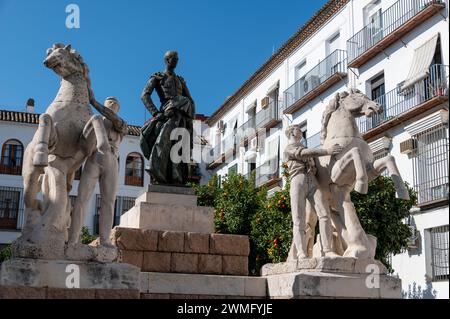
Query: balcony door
point(378, 91)
point(333, 62)
point(374, 23)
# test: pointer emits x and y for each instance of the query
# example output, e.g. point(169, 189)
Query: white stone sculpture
point(353, 168)
point(103, 167)
point(61, 144)
point(304, 187)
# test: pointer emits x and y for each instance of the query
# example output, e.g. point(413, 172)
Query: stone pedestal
point(38, 273)
point(169, 208)
point(330, 278)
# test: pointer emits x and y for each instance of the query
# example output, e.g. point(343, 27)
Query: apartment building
point(397, 52)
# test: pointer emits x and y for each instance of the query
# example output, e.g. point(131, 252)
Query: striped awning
point(423, 56)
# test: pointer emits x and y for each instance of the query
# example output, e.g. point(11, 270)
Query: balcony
point(223, 150)
point(247, 131)
point(269, 116)
point(394, 23)
point(268, 173)
point(400, 106)
point(10, 170)
point(325, 74)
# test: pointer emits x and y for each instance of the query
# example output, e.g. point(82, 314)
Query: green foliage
point(271, 231)
point(382, 215)
point(236, 205)
point(242, 209)
point(5, 253)
point(86, 237)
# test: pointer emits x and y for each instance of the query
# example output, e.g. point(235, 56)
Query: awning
point(423, 56)
point(274, 87)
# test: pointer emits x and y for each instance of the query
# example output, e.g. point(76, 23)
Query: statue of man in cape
point(177, 111)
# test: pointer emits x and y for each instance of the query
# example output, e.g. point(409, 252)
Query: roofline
point(303, 34)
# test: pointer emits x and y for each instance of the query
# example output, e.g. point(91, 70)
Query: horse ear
point(68, 47)
point(49, 51)
point(345, 94)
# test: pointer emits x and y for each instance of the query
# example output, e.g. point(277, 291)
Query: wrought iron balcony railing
point(388, 27)
point(398, 102)
point(267, 172)
point(269, 116)
point(316, 81)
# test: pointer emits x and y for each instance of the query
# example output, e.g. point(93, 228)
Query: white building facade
point(16, 131)
point(395, 51)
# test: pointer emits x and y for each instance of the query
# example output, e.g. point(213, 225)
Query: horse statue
point(62, 142)
point(352, 169)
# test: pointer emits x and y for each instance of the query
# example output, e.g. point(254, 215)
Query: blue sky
point(220, 43)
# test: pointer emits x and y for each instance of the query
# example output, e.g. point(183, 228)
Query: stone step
point(325, 285)
point(182, 252)
point(169, 216)
point(165, 285)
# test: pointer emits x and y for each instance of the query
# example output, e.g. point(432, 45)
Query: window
point(12, 156)
point(233, 169)
point(377, 93)
point(439, 253)
point(374, 20)
point(430, 163)
point(333, 43)
point(10, 207)
point(134, 170)
point(121, 206)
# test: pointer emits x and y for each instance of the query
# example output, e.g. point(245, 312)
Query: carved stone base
point(57, 273)
point(78, 252)
point(326, 264)
point(325, 285)
point(169, 208)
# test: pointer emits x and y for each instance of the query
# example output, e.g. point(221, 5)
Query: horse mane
point(330, 109)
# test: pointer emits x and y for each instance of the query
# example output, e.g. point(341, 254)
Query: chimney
point(30, 106)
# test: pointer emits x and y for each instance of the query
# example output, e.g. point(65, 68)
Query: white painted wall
point(395, 63)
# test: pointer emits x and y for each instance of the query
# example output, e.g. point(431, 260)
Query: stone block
point(169, 216)
point(196, 284)
point(196, 243)
point(156, 262)
point(134, 239)
point(210, 264)
point(132, 257)
point(65, 293)
point(235, 245)
point(171, 241)
point(155, 296)
point(10, 292)
point(54, 273)
point(184, 263)
point(158, 196)
point(235, 265)
point(313, 284)
point(116, 294)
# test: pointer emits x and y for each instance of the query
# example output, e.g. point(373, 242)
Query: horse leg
point(42, 140)
point(32, 186)
point(354, 236)
point(340, 169)
point(388, 163)
point(323, 213)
